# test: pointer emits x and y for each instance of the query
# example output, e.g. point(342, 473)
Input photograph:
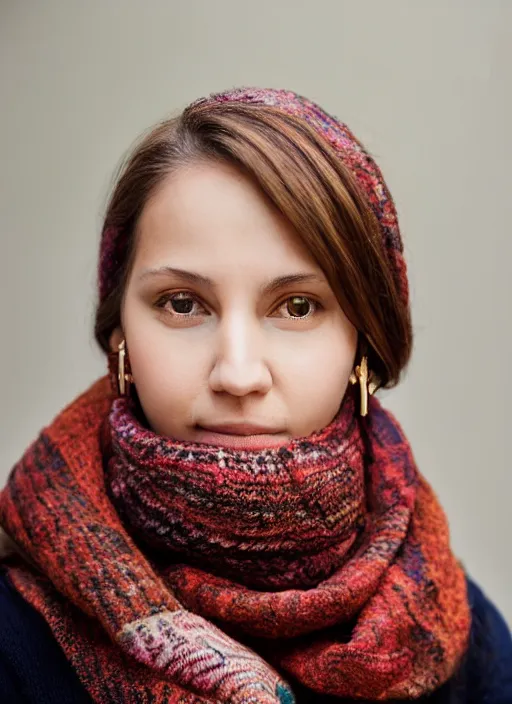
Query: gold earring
point(368, 383)
point(124, 378)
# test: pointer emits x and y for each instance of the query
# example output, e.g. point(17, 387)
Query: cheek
point(169, 371)
point(316, 379)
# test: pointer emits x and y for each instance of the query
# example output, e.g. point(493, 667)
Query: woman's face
point(233, 334)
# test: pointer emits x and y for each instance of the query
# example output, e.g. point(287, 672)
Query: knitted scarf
point(177, 572)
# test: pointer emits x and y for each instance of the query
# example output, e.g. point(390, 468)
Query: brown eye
point(298, 306)
point(181, 303)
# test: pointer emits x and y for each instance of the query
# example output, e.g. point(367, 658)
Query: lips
point(239, 429)
point(241, 436)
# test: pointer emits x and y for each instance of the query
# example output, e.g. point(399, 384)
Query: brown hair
point(306, 180)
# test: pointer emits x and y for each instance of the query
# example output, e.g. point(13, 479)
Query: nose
point(240, 367)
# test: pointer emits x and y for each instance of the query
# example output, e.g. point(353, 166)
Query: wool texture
point(173, 572)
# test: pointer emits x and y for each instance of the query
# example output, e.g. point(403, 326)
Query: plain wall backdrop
point(427, 87)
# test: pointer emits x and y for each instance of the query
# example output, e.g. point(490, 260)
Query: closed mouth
point(239, 429)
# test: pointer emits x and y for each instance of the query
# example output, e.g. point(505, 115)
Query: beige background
point(427, 86)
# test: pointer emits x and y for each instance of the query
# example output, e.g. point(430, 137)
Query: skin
point(230, 351)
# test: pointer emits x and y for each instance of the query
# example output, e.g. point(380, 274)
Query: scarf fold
point(175, 572)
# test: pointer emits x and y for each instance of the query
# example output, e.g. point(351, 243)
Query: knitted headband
point(352, 153)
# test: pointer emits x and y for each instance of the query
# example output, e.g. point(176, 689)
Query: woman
point(230, 515)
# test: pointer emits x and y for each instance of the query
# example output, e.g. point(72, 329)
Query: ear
point(116, 337)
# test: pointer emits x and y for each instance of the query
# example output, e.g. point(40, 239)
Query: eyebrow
point(200, 280)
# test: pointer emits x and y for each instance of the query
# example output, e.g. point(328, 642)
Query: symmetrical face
point(233, 333)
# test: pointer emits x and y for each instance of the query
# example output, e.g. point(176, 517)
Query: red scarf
point(177, 572)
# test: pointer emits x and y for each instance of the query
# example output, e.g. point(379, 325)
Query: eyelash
point(163, 300)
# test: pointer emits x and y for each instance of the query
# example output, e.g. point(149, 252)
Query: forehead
point(213, 215)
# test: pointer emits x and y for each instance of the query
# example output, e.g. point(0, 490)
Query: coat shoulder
point(33, 668)
point(489, 656)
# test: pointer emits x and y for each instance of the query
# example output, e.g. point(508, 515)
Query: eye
point(298, 307)
point(180, 304)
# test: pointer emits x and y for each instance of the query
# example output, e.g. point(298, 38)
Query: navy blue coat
point(33, 668)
